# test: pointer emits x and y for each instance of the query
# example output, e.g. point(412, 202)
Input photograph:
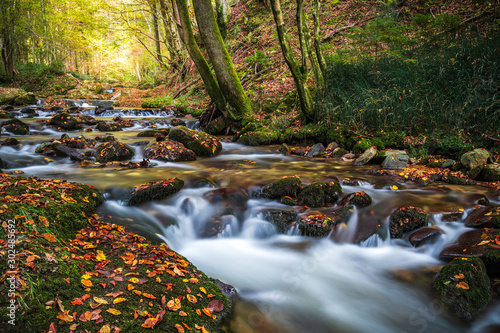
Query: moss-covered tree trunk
point(172, 38)
point(223, 10)
point(305, 99)
point(181, 14)
point(156, 33)
point(238, 102)
point(317, 39)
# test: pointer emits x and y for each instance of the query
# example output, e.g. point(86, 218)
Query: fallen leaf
point(49, 237)
point(100, 300)
point(191, 298)
point(65, 316)
point(174, 304)
point(113, 311)
point(459, 276)
point(119, 300)
point(148, 295)
point(105, 329)
point(463, 285)
point(179, 328)
point(216, 305)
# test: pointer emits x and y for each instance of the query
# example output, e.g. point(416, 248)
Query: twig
point(178, 93)
point(329, 36)
point(78, 81)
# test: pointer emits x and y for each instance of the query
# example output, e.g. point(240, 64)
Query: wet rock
point(448, 164)
point(105, 138)
point(332, 146)
point(490, 173)
point(216, 126)
point(170, 151)
point(152, 132)
point(319, 194)
point(16, 96)
point(474, 158)
point(383, 154)
point(353, 181)
point(452, 216)
point(464, 287)
point(201, 143)
point(284, 149)
point(425, 235)
point(178, 122)
point(157, 190)
point(113, 151)
point(316, 150)
point(339, 152)
point(3, 164)
point(159, 137)
point(348, 157)
point(65, 121)
point(282, 219)
point(63, 150)
point(484, 217)
point(317, 225)
point(10, 142)
point(359, 199)
point(16, 126)
point(289, 201)
point(396, 160)
point(214, 226)
point(473, 243)
point(406, 219)
point(287, 186)
point(28, 111)
point(228, 201)
point(457, 178)
point(108, 127)
point(473, 173)
point(367, 156)
point(5, 115)
point(86, 119)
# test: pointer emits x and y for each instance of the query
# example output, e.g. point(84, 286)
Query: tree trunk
point(238, 102)
point(172, 37)
point(299, 15)
point(305, 99)
point(317, 38)
point(223, 10)
point(156, 33)
point(181, 14)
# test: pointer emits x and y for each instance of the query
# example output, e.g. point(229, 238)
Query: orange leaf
point(77, 301)
point(182, 314)
point(180, 329)
point(44, 220)
point(113, 311)
point(208, 312)
point(191, 298)
point(87, 283)
point(459, 276)
point(137, 292)
point(463, 285)
point(84, 297)
point(49, 237)
point(130, 287)
point(150, 322)
point(65, 316)
point(174, 304)
point(148, 295)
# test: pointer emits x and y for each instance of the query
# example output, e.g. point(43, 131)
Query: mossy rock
point(259, 137)
point(65, 121)
point(406, 219)
point(287, 186)
point(203, 144)
point(177, 122)
point(86, 119)
point(16, 126)
point(169, 151)
point(319, 194)
point(475, 158)
point(5, 115)
point(157, 190)
point(284, 149)
point(16, 96)
point(339, 152)
point(490, 173)
point(216, 126)
point(474, 173)
point(282, 219)
point(108, 127)
point(359, 199)
point(10, 142)
point(104, 138)
point(318, 225)
point(369, 153)
point(113, 151)
point(152, 132)
point(484, 217)
point(457, 178)
point(464, 287)
point(361, 146)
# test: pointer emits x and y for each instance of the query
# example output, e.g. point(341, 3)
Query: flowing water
point(286, 283)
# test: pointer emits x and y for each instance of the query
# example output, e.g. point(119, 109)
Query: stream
point(285, 282)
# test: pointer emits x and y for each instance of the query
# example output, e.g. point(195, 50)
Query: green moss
point(282, 219)
point(287, 186)
point(5, 115)
point(466, 296)
point(360, 199)
point(203, 144)
point(108, 127)
point(152, 132)
point(16, 126)
point(113, 151)
point(405, 219)
point(156, 190)
point(320, 193)
point(65, 121)
point(262, 136)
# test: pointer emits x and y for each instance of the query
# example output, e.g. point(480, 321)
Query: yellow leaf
point(89, 246)
point(105, 329)
point(174, 304)
point(191, 298)
point(87, 283)
point(100, 256)
point(394, 187)
point(114, 311)
point(119, 300)
point(134, 280)
point(86, 276)
point(130, 287)
point(148, 295)
point(100, 300)
point(203, 290)
point(484, 242)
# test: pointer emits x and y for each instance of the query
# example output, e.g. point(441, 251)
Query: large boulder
point(170, 151)
point(490, 173)
point(316, 225)
point(152, 132)
point(65, 121)
point(406, 219)
point(5, 115)
point(16, 126)
point(287, 186)
point(203, 144)
point(108, 127)
point(473, 243)
point(16, 96)
point(157, 190)
point(113, 151)
point(282, 219)
point(396, 160)
point(464, 287)
point(484, 217)
point(474, 158)
point(367, 156)
point(319, 194)
point(316, 150)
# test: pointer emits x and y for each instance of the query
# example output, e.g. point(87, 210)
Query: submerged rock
point(203, 144)
point(474, 158)
point(319, 194)
point(170, 151)
point(157, 190)
point(282, 219)
point(113, 151)
point(406, 219)
point(425, 235)
point(464, 287)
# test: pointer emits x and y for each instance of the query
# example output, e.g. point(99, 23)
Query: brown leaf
point(65, 316)
point(216, 306)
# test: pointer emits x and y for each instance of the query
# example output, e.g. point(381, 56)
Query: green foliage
point(432, 88)
point(259, 61)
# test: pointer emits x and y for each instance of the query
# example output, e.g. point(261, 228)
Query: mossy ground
point(72, 268)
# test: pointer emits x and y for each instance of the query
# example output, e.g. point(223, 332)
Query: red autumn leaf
point(77, 301)
point(52, 328)
point(216, 305)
